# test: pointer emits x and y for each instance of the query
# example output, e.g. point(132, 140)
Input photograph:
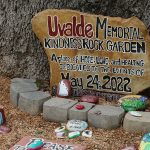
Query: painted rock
point(72, 135)
point(129, 148)
point(135, 114)
point(80, 107)
point(89, 99)
point(87, 133)
point(35, 144)
point(76, 125)
point(145, 142)
point(2, 116)
point(4, 129)
point(64, 88)
point(133, 102)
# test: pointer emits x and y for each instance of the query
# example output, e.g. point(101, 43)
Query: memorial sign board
point(98, 54)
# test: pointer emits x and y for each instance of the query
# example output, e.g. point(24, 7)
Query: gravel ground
point(23, 124)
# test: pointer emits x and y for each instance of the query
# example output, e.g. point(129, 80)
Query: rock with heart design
point(64, 88)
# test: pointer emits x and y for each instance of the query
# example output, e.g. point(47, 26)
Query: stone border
point(25, 95)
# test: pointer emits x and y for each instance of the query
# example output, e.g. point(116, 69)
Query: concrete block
point(20, 87)
point(80, 114)
point(137, 124)
point(32, 102)
point(56, 109)
point(16, 80)
point(105, 116)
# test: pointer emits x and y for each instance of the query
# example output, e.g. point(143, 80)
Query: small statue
point(64, 88)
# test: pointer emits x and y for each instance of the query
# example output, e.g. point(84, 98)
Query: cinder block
point(137, 124)
point(16, 80)
point(20, 87)
point(80, 114)
point(105, 116)
point(56, 109)
point(32, 102)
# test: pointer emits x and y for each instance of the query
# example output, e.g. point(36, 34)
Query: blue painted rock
point(2, 116)
point(133, 102)
point(76, 125)
point(145, 142)
point(89, 99)
point(64, 88)
point(35, 144)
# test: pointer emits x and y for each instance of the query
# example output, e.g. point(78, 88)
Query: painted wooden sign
point(48, 145)
point(98, 54)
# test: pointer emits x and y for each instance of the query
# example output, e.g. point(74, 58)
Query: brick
point(48, 145)
point(137, 124)
point(105, 116)
point(20, 87)
point(80, 114)
point(32, 102)
point(56, 109)
point(16, 80)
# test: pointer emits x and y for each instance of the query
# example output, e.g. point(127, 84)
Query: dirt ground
point(23, 124)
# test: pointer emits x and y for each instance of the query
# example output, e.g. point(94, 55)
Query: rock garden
point(97, 124)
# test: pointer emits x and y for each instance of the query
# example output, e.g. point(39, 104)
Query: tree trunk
point(21, 54)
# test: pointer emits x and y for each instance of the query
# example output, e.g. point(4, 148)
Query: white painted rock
point(76, 125)
point(135, 113)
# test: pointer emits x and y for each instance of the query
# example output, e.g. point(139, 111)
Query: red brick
point(24, 141)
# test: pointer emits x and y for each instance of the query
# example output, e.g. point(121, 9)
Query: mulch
point(23, 124)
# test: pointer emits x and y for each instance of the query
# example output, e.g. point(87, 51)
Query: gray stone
point(105, 116)
point(16, 80)
point(56, 109)
point(137, 124)
point(20, 87)
point(32, 102)
point(80, 114)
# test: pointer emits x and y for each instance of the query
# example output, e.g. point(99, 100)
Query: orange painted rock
point(64, 88)
point(89, 99)
point(48, 145)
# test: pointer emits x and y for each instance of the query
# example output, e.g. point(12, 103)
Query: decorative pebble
point(60, 129)
point(64, 88)
point(2, 116)
point(135, 113)
point(76, 125)
point(80, 107)
point(72, 135)
point(129, 148)
point(133, 102)
point(35, 144)
point(4, 129)
point(60, 134)
point(145, 142)
point(87, 133)
point(89, 99)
